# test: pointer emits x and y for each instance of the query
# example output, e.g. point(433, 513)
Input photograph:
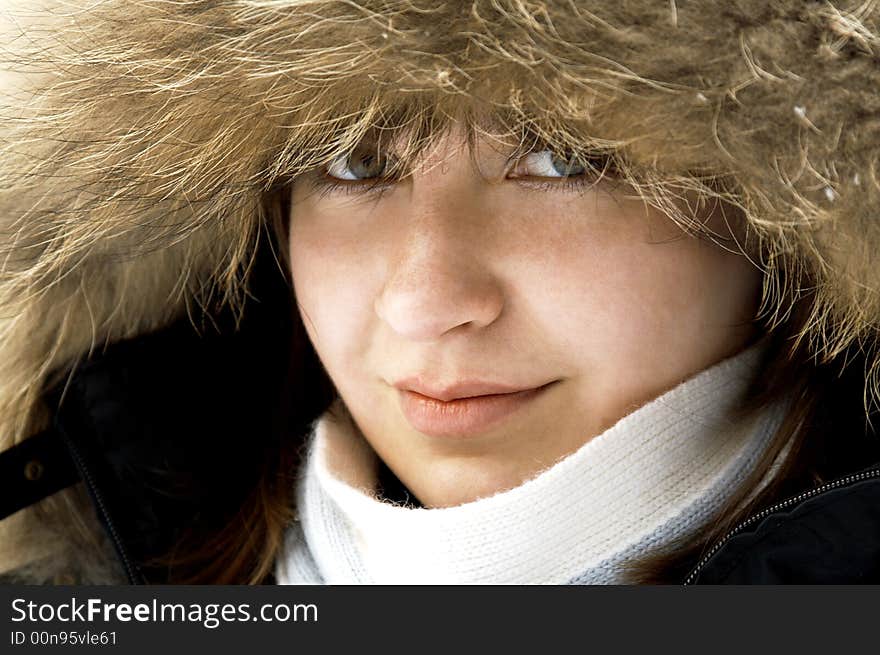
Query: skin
point(467, 270)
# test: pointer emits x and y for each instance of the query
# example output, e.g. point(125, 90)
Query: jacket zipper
point(131, 571)
point(834, 484)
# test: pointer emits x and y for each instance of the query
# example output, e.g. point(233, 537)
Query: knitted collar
point(656, 475)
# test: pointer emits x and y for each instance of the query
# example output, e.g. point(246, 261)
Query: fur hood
point(138, 141)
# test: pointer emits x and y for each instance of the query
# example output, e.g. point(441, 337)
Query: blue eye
point(364, 163)
point(547, 163)
point(547, 170)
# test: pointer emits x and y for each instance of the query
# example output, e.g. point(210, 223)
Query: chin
point(459, 487)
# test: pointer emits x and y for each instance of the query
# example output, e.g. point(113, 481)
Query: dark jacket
point(168, 432)
point(826, 535)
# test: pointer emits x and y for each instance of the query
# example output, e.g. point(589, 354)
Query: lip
point(462, 410)
point(459, 390)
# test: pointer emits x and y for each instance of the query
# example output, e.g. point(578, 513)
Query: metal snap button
point(33, 470)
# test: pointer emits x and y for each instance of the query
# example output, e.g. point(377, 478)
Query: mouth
point(465, 411)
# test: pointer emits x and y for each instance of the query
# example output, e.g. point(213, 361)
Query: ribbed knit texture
point(657, 474)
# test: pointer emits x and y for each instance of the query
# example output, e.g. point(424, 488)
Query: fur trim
point(137, 140)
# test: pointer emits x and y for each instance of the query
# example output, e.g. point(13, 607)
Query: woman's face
point(481, 319)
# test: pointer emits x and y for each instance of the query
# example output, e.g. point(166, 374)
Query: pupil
point(366, 164)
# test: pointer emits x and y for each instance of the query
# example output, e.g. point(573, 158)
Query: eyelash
point(326, 184)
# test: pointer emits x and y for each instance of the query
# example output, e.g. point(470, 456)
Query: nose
point(440, 278)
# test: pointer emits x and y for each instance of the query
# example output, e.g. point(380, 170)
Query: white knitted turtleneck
point(655, 475)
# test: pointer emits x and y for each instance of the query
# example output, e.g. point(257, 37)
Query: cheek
point(638, 310)
point(687, 308)
point(333, 289)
